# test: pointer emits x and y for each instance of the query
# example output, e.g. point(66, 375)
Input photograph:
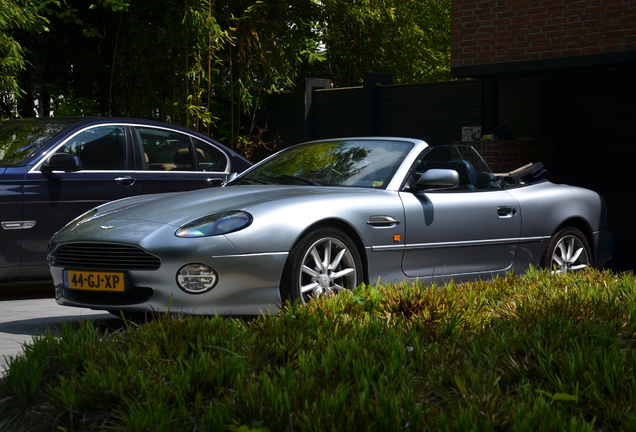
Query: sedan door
point(172, 161)
point(52, 199)
point(11, 222)
point(460, 232)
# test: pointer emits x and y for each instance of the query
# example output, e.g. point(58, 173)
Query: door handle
point(506, 211)
point(382, 221)
point(126, 180)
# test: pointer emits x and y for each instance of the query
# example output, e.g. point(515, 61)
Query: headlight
point(220, 223)
point(196, 278)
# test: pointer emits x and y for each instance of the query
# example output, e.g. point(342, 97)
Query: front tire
point(568, 251)
point(323, 262)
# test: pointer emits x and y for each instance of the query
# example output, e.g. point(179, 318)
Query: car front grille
point(104, 256)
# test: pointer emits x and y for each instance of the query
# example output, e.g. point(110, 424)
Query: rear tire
point(567, 251)
point(323, 262)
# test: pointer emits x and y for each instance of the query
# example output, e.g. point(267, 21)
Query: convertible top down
point(320, 217)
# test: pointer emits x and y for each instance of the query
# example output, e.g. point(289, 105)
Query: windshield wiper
point(247, 181)
point(298, 179)
point(266, 180)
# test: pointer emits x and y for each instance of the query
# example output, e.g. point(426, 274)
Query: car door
point(11, 222)
point(471, 229)
point(460, 232)
point(52, 199)
point(173, 161)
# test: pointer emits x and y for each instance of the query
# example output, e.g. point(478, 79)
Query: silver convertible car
point(321, 217)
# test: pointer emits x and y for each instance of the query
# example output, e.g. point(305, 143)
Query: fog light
point(196, 278)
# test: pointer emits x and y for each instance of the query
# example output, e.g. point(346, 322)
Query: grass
point(521, 353)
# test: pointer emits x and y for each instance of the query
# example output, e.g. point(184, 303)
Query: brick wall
point(494, 31)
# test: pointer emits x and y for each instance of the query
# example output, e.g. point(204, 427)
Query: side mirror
point(216, 181)
point(62, 162)
point(437, 179)
point(229, 178)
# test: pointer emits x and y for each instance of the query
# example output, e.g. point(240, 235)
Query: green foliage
point(116, 5)
point(535, 352)
point(207, 64)
point(270, 44)
point(15, 15)
point(408, 38)
point(165, 60)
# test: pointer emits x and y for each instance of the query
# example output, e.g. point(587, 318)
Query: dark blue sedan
point(54, 169)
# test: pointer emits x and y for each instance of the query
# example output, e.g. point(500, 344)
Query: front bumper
point(248, 285)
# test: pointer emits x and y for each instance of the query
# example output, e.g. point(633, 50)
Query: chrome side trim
point(250, 255)
point(459, 243)
point(388, 248)
point(16, 225)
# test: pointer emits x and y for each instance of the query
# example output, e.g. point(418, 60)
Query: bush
point(532, 352)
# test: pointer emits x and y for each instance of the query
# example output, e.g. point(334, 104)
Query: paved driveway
point(28, 309)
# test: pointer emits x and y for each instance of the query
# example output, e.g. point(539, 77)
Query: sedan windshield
point(19, 140)
point(360, 163)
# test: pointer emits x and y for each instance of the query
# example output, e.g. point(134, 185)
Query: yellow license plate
point(94, 281)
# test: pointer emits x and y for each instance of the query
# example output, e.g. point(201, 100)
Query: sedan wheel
point(568, 251)
point(324, 262)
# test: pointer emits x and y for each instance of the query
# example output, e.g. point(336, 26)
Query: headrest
point(466, 171)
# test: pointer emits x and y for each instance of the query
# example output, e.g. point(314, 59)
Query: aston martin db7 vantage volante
point(321, 217)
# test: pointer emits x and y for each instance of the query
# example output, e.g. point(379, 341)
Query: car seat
point(487, 180)
point(466, 171)
point(183, 160)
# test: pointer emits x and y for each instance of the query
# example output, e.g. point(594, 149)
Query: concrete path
point(28, 309)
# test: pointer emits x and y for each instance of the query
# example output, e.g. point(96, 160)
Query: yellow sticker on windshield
point(378, 183)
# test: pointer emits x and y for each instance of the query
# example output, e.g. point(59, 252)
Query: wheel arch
point(582, 225)
point(350, 231)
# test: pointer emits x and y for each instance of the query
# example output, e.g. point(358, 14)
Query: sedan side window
point(99, 148)
point(164, 150)
point(210, 158)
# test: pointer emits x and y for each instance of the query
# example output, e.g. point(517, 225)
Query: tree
point(408, 38)
point(166, 52)
point(69, 64)
point(208, 64)
point(17, 14)
point(205, 64)
point(270, 43)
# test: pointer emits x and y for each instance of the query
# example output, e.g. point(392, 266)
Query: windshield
point(19, 140)
point(439, 156)
point(360, 163)
point(473, 171)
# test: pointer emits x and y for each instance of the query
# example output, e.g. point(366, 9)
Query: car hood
point(178, 208)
